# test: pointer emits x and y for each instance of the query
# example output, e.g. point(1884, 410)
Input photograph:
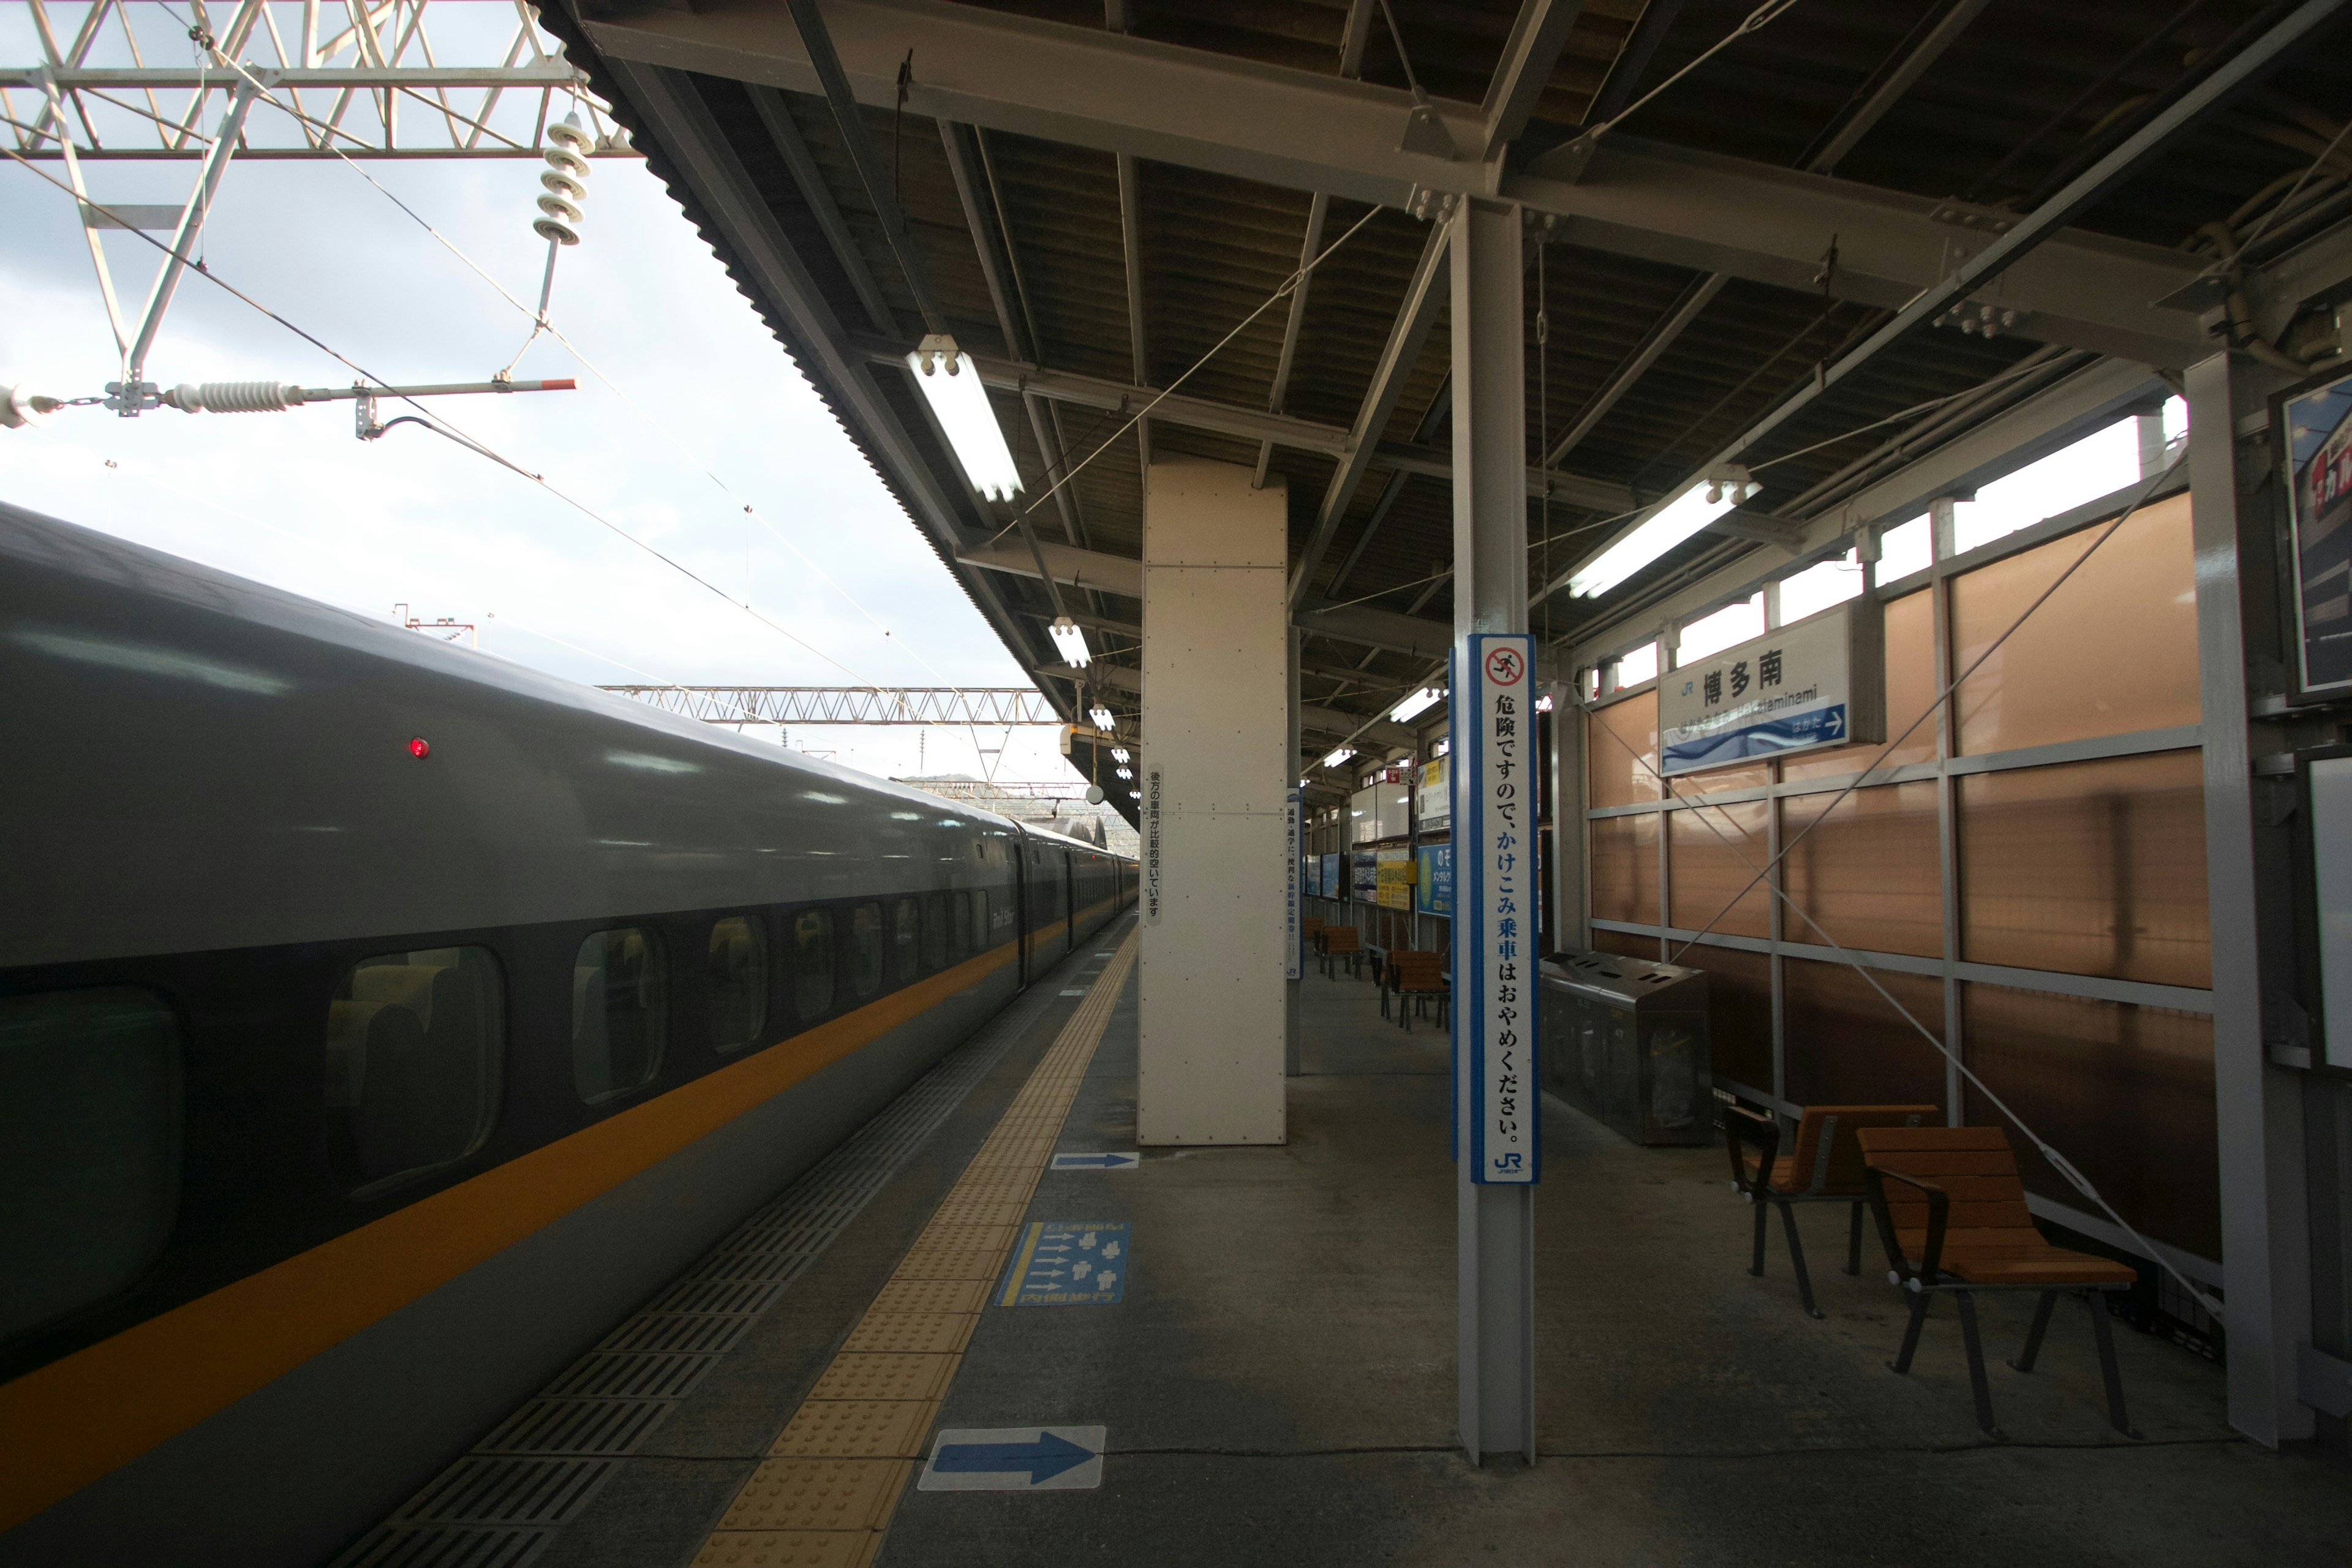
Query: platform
point(1277, 1383)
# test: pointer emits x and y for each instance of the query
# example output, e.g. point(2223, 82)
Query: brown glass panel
point(2124, 1093)
point(1910, 689)
point(1625, 944)
point(1716, 781)
point(2089, 867)
point(2114, 651)
point(1869, 872)
point(1739, 1010)
point(1707, 871)
point(1625, 868)
point(1617, 778)
point(1845, 1045)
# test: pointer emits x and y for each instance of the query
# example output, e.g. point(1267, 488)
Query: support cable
point(1763, 875)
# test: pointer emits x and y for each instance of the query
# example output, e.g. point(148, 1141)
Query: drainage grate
point(576, 1427)
point(483, 1489)
point(660, 1375)
point(501, 1504)
point(445, 1546)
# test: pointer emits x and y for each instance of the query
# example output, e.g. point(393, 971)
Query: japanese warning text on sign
point(1495, 890)
point(1820, 682)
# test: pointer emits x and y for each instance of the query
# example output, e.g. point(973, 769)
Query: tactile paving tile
point(1005, 1215)
point(857, 1429)
point(930, 1296)
point(893, 1376)
point(816, 1494)
point(953, 1265)
point(929, 1333)
point(938, 1238)
point(788, 1549)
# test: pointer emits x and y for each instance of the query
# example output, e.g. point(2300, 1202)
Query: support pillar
point(1216, 675)
point(1496, 1224)
point(1293, 962)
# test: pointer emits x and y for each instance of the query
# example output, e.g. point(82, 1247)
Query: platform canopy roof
point(1092, 198)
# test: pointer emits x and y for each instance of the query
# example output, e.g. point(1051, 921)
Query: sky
point(293, 499)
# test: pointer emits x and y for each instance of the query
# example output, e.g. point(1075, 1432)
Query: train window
point(617, 1013)
point(982, 938)
point(960, 925)
point(866, 949)
point(90, 1148)
point(739, 981)
point(935, 932)
point(414, 1048)
point(812, 963)
point(905, 933)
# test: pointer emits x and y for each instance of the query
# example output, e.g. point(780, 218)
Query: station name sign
point(1822, 682)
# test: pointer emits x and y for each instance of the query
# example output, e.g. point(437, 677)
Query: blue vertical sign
point(1494, 749)
point(1292, 966)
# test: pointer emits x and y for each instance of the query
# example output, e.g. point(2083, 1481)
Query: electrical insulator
point(23, 406)
point(566, 181)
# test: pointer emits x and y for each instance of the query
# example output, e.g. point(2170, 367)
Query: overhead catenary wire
point(1763, 875)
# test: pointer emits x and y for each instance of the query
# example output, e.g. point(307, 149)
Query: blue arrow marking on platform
point(1044, 1459)
point(1068, 1162)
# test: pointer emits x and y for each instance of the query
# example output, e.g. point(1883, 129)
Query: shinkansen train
point(380, 1022)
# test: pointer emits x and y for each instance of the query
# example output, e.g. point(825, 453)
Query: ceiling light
point(1339, 754)
point(1417, 703)
point(1543, 703)
point(1118, 754)
point(1103, 717)
point(1701, 503)
point(950, 379)
point(1135, 795)
point(1127, 773)
point(1070, 639)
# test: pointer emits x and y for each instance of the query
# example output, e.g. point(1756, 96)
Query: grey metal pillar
point(1496, 1224)
point(2258, 1105)
point(1290, 988)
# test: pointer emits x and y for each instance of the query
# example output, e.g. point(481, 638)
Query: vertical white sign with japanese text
point(1291, 847)
point(1495, 892)
point(1151, 884)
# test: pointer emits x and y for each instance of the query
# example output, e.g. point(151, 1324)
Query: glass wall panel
point(2124, 1092)
point(1869, 872)
point(1739, 1010)
point(2091, 868)
point(1616, 779)
point(1625, 868)
point(1707, 871)
point(2114, 651)
point(1844, 1045)
point(1720, 781)
point(1625, 944)
point(1910, 688)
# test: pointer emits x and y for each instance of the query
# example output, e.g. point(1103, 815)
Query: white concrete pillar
point(1216, 701)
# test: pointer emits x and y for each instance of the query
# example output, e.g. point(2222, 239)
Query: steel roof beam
point(1310, 130)
point(785, 132)
point(1530, 54)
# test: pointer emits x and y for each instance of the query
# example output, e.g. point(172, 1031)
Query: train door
point(1021, 906)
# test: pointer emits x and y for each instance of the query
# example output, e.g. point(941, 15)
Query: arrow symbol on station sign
point(1044, 1459)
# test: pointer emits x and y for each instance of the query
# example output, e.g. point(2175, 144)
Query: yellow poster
point(1396, 878)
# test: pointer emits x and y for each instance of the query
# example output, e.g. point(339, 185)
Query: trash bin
point(1625, 1041)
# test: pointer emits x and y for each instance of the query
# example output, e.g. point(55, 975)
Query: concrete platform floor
point(1279, 1385)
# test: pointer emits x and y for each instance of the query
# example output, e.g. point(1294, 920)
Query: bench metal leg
point(2024, 1363)
point(1854, 1242)
point(1757, 1266)
point(2105, 1334)
point(1901, 1362)
point(1797, 1259)
point(1977, 1384)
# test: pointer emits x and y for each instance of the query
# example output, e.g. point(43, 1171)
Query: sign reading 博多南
point(1493, 731)
point(1822, 682)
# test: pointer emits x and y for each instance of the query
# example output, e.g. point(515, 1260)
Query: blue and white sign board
point(1106, 1160)
point(1015, 1460)
point(1067, 1263)
point(1291, 893)
point(1495, 956)
point(1822, 682)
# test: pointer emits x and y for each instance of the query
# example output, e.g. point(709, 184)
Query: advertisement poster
point(1329, 880)
point(1434, 804)
point(1434, 894)
point(2319, 487)
point(1364, 874)
point(1392, 878)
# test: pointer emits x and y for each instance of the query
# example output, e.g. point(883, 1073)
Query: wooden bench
point(1342, 941)
point(1824, 1166)
point(1951, 1210)
point(1417, 978)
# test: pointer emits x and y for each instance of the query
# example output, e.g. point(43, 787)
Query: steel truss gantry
point(992, 706)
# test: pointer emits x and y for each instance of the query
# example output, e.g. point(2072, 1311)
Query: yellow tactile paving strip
point(825, 1494)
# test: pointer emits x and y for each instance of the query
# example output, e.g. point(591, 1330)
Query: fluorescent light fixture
point(951, 379)
point(1127, 773)
point(1417, 703)
point(1339, 755)
point(1070, 640)
point(1103, 717)
point(1543, 703)
point(1135, 795)
point(1699, 503)
point(1118, 754)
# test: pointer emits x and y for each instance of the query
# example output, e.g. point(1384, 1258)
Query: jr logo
point(1507, 1162)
